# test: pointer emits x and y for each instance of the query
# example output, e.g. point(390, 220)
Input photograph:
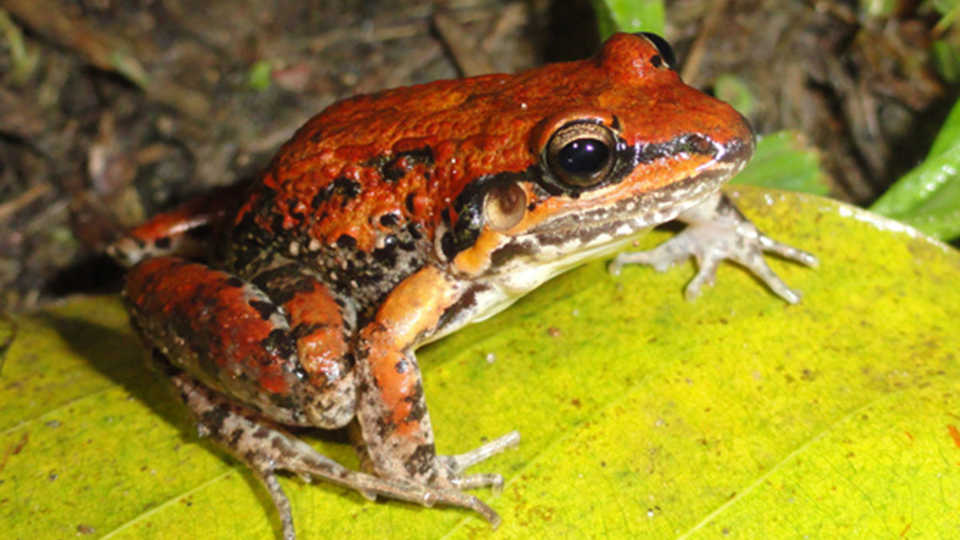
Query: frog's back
point(364, 189)
point(358, 192)
point(406, 152)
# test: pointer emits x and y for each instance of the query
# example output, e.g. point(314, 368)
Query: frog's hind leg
point(267, 448)
point(226, 342)
point(230, 335)
point(182, 231)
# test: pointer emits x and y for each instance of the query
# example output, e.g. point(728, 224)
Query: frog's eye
point(581, 154)
point(504, 206)
point(667, 56)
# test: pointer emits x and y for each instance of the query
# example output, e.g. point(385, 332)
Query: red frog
point(393, 219)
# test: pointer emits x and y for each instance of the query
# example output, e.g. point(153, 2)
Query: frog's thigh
point(230, 335)
point(391, 409)
point(321, 326)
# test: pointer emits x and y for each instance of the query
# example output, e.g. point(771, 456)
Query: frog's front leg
point(391, 408)
point(717, 230)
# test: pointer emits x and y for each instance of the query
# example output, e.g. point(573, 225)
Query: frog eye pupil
point(584, 156)
point(581, 154)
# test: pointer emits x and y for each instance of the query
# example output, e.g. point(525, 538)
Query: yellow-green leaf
point(642, 415)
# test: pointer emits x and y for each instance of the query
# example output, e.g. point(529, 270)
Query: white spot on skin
point(490, 358)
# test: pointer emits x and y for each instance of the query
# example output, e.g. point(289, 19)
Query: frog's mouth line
point(733, 151)
point(591, 234)
point(633, 214)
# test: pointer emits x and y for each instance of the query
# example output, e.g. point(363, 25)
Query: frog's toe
point(754, 262)
point(282, 503)
point(482, 480)
point(127, 251)
point(460, 462)
point(706, 275)
point(787, 251)
point(660, 258)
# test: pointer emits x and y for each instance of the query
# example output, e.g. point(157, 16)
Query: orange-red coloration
point(404, 317)
point(321, 350)
point(169, 287)
point(375, 228)
point(195, 213)
point(481, 126)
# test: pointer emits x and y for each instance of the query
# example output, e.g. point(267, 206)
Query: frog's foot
point(266, 448)
point(716, 231)
point(456, 464)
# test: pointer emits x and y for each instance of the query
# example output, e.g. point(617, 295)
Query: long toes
point(465, 460)
point(282, 504)
point(706, 275)
point(475, 481)
point(788, 252)
point(760, 269)
point(453, 497)
point(659, 259)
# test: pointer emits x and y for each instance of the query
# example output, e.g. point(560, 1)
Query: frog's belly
point(493, 294)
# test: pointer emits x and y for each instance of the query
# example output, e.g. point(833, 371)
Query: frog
point(392, 219)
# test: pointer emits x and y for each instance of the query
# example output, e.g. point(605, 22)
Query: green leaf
point(928, 197)
point(946, 58)
point(949, 133)
point(642, 415)
point(784, 160)
point(629, 16)
point(946, 6)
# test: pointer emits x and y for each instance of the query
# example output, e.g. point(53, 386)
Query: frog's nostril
point(735, 150)
point(696, 144)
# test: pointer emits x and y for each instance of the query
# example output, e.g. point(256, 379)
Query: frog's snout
point(737, 149)
point(736, 142)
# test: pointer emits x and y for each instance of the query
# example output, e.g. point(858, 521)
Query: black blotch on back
point(346, 241)
point(341, 186)
point(265, 309)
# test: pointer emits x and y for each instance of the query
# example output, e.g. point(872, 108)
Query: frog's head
point(634, 148)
